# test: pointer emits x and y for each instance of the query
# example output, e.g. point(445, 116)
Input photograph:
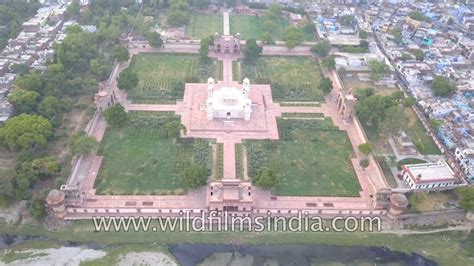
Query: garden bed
point(312, 158)
point(141, 159)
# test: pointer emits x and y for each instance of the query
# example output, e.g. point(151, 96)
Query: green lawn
point(291, 78)
point(140, 159)
point(162, 76)
point(201, 25)
point(251, 27)
point(414, 129)
point(312, 158)
point(423, 142)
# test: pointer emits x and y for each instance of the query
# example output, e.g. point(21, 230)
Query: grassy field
point(447, 248)
point(312, 158)
point(291, 78)
point(202, 25)
point(251, 27)
point(423, 142)
point(139, 159)
point(414, 129)
point(162, 76)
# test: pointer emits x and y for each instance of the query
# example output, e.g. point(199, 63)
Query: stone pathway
point(226, 23)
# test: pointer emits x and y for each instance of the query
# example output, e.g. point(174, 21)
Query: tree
point(267, 38)
point(364, 163)
point(204, 49)
point(378, 69)
point(322, 48)
point(195, 176)
point(269, 25)
point(127, 80)
point(405, 57)
point(116, 116)
point(82, 145)
point(409, 101)
point(347, 20)
point(20, 69)
point(443, 86)
point(45, 167)
point(293, 36)
point(275, 9)
point(397, 34)
point(53, 109)
point(154, 39)
point(325, 85)
point(417, 15)
point(36, 207)
point(121, 54)
point(416, 199)
point(467, 197)
point(266, 178)
point(24, 101)
point(393, 122)
point(173, 128)
point(365, 148)
point(252, 51)
point(26, 131)
point(178, 14)
point(329, 63)
point(30, 82)
point(363, 34)
point(419, 55)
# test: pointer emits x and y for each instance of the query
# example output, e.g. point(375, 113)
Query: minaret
point(210, 89)
point(246, 87)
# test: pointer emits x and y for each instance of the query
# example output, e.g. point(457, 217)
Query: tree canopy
point(329, 63)
point(252, 51)
point(81, 144)
point(178, 14)
point(293, 37)
point(365, 148)
point(363, 34)
point(467, 197)
point(154, 39)
point(26, 131)
point(322, 48)
point(127, 80)
point(116, 116)
point(195, 176)
point(266, 178)
point(378, 69)
point(443, 86)
point(325, 85)
point(121, 54)
point(24, 101)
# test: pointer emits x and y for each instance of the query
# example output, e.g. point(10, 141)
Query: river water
point(300, 255)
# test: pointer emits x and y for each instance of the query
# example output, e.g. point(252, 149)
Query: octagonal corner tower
point(228, 102)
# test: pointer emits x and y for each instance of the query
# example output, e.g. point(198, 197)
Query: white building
point(228, 102)
point(427, 176)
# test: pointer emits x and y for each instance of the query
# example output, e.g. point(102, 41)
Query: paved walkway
point(226, 23)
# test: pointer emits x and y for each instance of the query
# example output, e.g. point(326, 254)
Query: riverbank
point(442, 247)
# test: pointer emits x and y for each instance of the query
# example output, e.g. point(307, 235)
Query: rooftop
point(430, 172)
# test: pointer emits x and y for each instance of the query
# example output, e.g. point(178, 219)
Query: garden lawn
point(292, 78)
point(162, 76)
point(140, 159)
point(203, 25)
point(424, 143)
point(251, 27)
point(312, 158)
